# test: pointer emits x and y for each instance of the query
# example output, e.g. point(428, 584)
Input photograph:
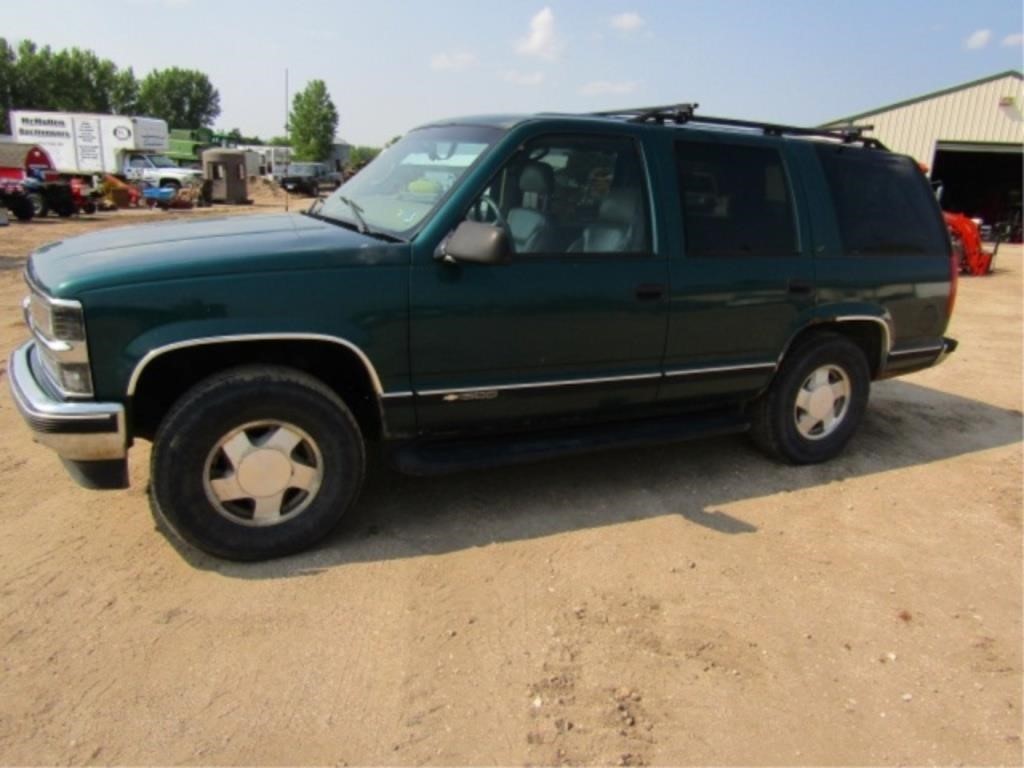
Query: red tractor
point(972, 257)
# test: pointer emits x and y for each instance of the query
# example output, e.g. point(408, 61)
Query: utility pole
point(287, 135)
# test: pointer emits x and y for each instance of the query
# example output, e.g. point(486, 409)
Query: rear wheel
point(816, 402)
point(170, 184)
point(256, 463)
point(39, 206)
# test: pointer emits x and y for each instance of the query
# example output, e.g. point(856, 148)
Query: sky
point(392, 65)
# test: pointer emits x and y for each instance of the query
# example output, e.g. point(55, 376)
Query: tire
point(170, 184)
point(22, 209)
point(217, 476)
point(818, 429)
point(39, 206)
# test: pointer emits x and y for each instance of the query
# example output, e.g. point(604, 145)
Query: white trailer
point(84, 145)
point(273, 161)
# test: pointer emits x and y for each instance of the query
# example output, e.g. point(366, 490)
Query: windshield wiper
point(359, 224)
point(358, 212)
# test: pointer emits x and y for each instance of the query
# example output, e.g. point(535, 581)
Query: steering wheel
point(488, 202)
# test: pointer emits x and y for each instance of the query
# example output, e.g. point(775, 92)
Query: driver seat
point(530, 228)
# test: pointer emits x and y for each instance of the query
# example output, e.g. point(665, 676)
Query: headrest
point(620, 207)
point(537, 177)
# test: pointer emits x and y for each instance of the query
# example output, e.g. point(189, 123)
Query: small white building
point(272, 160)
point(970, 137)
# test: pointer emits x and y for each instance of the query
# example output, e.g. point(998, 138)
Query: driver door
point(575, 324)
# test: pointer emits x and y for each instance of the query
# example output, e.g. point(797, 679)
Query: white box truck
point(83, 145)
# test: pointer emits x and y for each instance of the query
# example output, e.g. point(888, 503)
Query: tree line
point(77, 80)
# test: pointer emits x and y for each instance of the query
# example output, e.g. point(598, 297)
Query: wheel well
point(866, 334)
point(169, 376)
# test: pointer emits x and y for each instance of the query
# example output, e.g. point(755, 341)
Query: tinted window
point(882, 201)
point(736, 200)
point(571, 194)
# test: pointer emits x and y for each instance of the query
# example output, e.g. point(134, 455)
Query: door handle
point(800, 286)
point(649, 291)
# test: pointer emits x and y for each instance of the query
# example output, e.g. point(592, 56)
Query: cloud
point(978, 39)
point(627, 22)
point(523, 78)
point(1012, 40)
point(542, 41)
point(452, 62)
point(601, 87)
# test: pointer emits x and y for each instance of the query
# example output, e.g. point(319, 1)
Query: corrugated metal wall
point(972, 114)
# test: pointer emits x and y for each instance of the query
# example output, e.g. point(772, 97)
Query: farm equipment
point(47, 196)
point(966, 237)
point(14, 199)
point(189, 196)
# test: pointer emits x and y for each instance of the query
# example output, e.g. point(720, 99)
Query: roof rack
point(681, 114)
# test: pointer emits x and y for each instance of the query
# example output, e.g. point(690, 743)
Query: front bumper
point(78, 431)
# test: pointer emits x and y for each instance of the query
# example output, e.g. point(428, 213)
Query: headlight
point(58, 326)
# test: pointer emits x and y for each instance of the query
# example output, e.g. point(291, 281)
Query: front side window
point(736, 200)
point(409, 179)
point(569, 195)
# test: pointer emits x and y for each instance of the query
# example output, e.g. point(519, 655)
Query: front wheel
point(816, 402)
point(255, 463)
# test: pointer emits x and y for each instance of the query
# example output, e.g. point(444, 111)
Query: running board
point(438, 457)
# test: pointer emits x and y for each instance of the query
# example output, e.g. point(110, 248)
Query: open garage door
point(982, 180)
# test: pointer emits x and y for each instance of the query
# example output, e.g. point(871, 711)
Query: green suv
point(488, 290)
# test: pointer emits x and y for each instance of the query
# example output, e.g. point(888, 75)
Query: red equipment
point(972, 258)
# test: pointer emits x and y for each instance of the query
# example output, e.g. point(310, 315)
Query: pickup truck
point(488, 290)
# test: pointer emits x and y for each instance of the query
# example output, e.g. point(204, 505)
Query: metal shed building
point(971, 138)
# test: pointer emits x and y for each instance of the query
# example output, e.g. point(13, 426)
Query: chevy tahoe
point(488, 290)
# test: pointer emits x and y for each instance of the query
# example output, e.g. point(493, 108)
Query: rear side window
point(736, 200)
point(883, 203)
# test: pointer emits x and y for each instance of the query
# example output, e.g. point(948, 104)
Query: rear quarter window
point(883, 204)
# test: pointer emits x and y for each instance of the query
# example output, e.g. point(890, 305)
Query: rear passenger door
point(741, 273)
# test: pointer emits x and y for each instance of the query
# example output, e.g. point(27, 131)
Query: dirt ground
point(691, 604)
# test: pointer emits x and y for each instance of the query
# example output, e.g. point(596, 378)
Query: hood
point(180, 249)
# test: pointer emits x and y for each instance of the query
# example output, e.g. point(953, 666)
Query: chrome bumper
point(78, 431)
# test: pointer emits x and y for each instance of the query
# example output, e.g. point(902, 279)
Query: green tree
point(185, 98)
point(7, 64)
point(124, 94)
point(360, 156)
point(313, 122)
point(279, 141)
point(236, 137)
point(73, 80)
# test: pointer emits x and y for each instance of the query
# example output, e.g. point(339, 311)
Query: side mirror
point(475, 242)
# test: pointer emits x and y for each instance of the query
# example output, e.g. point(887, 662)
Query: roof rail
point(681, 114)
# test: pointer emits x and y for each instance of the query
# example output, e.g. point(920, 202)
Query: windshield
point(159, 161)
point(302, 169)
point(410, 178)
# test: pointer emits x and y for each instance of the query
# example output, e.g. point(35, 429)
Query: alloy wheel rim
point(263, 473)
point(822, 402)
